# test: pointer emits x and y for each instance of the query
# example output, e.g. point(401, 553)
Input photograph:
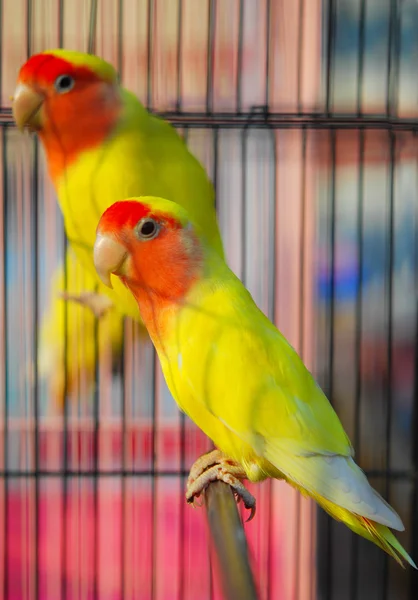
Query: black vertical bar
point(267, 64)
point(414, 445)
point(149, 52)
point(28, 27)
point(154, 478)
point(314, 539)
point(244, 203)
point(122, 373)
point(360, 64)
point(215, 184)
point(92, 27)
point(6, 397)
point(270, 564)
point(330, 50)
point(389, 357)
point(273, 260)
point(182, 524)
point(210, 55)
point(239, 56)
point(120, 38)
point(34, 197)
point(301, 334)
point(302, 247)
point(65, 466)
point(35, 216)
point(300, 54)
point(274, 248)
point(61, 23)
point(124, 470)
point(96, 397)
point(392, 59)
point(178, 54)
point(96, 461)
point(65, 455)
point(328, 524)
point(332, 217)
point(414, 427)
point(358, 340)
point(215, 162)
point(332, 324)
point(181, 476)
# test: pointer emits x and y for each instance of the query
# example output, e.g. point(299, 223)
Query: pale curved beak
point(108, 256)
point(26, 107)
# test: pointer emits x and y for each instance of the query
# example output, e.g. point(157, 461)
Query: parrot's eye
point(147, 229)
point(64, 83)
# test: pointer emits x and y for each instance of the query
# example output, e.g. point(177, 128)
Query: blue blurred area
point(376, 29)
point(347, 277)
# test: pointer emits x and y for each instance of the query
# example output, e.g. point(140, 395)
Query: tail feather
point(334, 477)
point(374, 532)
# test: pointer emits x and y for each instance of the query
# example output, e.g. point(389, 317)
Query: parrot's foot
point(98, 303)
point(215, 466)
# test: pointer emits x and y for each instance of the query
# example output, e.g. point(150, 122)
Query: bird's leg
point(209, 459)
point(215, 466)
point(98, 303)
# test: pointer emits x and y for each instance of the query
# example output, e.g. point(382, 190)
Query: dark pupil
point(148, 228)
point(65, 82)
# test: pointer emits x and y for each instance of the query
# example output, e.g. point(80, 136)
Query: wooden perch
point(230, 543)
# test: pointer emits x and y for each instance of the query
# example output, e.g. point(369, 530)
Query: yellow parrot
point(232, 372)
point(101, 145)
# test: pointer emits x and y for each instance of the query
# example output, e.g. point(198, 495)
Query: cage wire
point(304, 114)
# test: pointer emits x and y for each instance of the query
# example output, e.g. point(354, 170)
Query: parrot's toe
point(98, 303)
point(241, 493)
point(214, 466)
point(205, 461)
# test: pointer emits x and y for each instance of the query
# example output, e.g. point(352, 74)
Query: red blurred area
point(134, 536)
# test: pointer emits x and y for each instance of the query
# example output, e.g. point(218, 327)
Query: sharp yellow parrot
point(232, 372)
point(101, 145)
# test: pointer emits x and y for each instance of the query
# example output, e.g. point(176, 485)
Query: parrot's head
point(151, 245)
point(71, 99)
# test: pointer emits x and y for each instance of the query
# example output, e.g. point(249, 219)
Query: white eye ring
point(64, 84)
point(147, 229)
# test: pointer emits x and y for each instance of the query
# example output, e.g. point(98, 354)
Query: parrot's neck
point(165, 293)
point(158, 313)
point(178, 279)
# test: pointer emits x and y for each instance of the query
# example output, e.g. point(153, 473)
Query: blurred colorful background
point(304, 113)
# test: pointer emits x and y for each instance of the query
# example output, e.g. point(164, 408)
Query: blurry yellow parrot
point(101, 145)
point(232, 372)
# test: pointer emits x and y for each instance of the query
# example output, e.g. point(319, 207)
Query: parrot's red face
point(156, 256)
point(71, 107)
